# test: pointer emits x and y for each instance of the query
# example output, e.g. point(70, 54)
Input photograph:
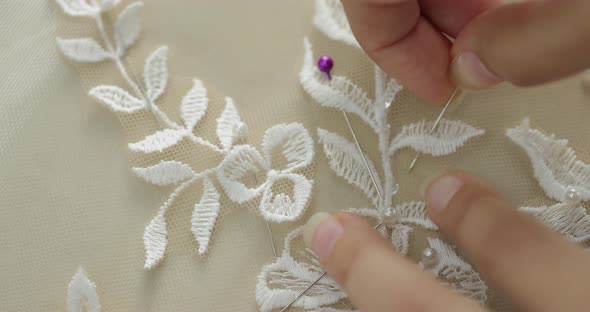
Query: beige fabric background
point(69, 197)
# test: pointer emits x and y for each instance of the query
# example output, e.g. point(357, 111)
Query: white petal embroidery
point(156, 73)
point(77, 7)
point(296, 143)
point(127, 27)
point(330, 19)
point(227, 124)
point(281, 207)
point(241, 162)
point(449, 136)
point(283, 280)
point(82, 294)
point(117, 99)
point(158, 141)
point(346, 162)
point(155, 241)
point(194, 105)
point(456, 272)
point(204, 216)
point(555, 164)
point(339, 93)
point(165, 173)
point(572, 222)
point(83, 50)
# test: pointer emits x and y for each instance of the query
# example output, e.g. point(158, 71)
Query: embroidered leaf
point(456, 272)
point(296, 143)
point(155, 241)
point(556, 165)
point(280, 282)
point(400, 237)
point(77, 7)
point(83, 50)
point(227, 124)
point(165, 173)
point(106, 5)
point(449, 136)
point(569, 221)
point(156, 73)
point(386, 89)
point(117, 99)
point(284, 207)
point(82, 294)
point(204, 215)
point(339, 93)
point(244, 161)
point(127, 27)
point(415, 213)
point(346, 161)
point(194, 105)
point(158, 141)
point(330, 19)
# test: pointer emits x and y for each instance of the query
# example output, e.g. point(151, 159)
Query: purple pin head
point(325, 64)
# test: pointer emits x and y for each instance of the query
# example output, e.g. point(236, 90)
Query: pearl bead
point(389, 216)
point(572, 196)
point(428, 256)
point(325, 64)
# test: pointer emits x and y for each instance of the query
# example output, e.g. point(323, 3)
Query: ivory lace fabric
point(82, 185)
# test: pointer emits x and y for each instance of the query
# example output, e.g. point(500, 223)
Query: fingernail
point(469, 73)
point(427, 181)
point(442, 191)
point(321, 233)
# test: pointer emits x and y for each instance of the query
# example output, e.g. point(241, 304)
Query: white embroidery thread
point(557, 169)
point(456, 272)
point(82, 294)
point(295, 141)
point(330, 19)
point(555, 165)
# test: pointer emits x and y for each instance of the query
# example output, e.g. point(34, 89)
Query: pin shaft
point(435, 125)
point(360, 150)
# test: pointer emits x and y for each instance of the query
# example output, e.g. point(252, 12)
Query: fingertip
point(468, 72)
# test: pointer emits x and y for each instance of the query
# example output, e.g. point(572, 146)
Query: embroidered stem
point(383, 136)
point(158, 113)
point(182, 187)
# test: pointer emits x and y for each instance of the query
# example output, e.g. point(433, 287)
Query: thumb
point(372, 274)
point(525, 43)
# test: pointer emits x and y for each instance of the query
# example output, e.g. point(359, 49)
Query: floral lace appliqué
point(291, 140)
point(562, 177)
point(282, 281)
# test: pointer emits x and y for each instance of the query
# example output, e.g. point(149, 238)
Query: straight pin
point(358, 146)
point(316, 281)
point(270, 237)
point(435, 125)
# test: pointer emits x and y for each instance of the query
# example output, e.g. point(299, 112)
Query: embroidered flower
point(296, 150)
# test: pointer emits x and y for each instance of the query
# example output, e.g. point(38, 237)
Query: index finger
point(372, 274)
